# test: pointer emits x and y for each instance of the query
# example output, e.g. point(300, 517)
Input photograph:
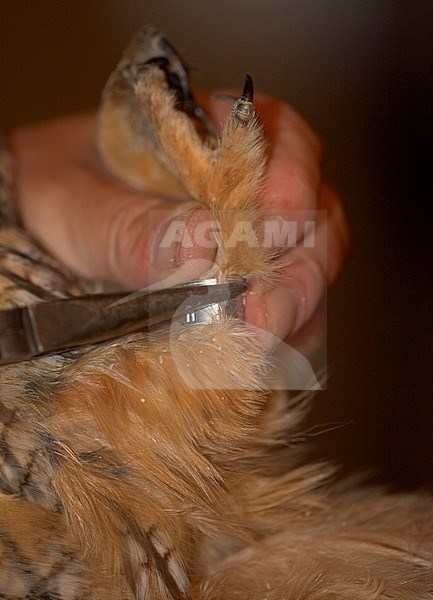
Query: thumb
point(95, 225)
point(149, 241)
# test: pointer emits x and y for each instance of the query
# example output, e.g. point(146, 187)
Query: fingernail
point(167, 243)
point(185, 237)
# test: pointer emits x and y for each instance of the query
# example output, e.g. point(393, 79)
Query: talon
point(248, 93)
point(243, 109)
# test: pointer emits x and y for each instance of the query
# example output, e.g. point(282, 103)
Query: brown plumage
point(159, 466)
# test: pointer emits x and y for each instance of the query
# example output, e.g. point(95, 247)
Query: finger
point(309, 338)
point(94, 224)
point(282, 308)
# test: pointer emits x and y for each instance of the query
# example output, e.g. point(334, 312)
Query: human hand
point(102, 229)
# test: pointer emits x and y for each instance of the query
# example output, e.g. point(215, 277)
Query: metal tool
point(60, 325)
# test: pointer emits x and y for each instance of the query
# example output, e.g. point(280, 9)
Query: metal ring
point(216, 312)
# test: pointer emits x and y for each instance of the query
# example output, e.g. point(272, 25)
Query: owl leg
point(150, 83)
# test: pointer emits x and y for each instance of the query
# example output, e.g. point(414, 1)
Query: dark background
point(360, 71)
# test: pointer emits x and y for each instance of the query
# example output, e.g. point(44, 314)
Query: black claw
point(243, 108)
point(248, 93)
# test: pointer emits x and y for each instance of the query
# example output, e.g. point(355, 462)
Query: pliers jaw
point(61, 325)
